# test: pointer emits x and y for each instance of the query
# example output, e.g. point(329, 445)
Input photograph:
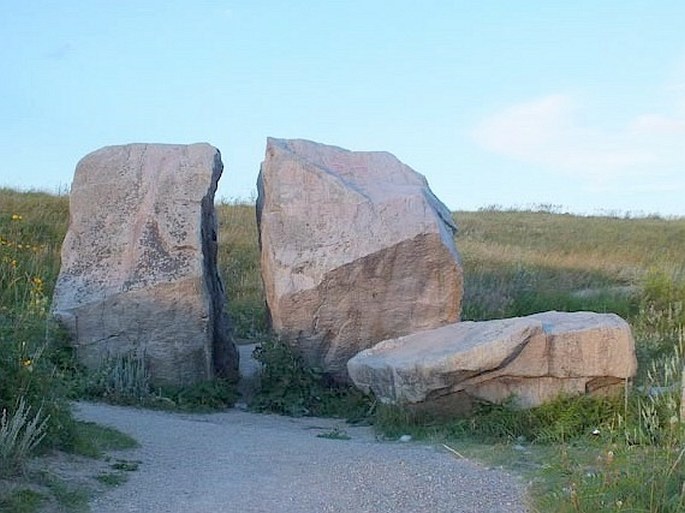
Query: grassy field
point(515, 263)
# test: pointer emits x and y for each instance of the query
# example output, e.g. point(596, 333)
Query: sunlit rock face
point(355, 249)
point(138, 271)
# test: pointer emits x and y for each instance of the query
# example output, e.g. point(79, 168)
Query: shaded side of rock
point(139, 268)
point(532, 359)
point(355, 249)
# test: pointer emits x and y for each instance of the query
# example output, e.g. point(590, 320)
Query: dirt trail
point(243, 462)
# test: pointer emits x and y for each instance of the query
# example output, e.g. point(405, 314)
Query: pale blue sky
point(579, 104)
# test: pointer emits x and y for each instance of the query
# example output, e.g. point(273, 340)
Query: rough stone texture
point(534, 358)
point(355, 249)
point(139, 262)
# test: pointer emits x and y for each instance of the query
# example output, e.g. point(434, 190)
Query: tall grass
point(517, 262)
point(32, 226)
point(239, 267)
point(20, 433)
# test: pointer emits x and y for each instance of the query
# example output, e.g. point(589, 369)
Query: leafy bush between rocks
point(289, 387)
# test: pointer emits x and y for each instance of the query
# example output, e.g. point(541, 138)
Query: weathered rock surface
point(355, 249)
point(534, 359)
point(139, 262)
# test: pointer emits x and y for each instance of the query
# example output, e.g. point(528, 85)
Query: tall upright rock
point(355, 249)
point(139, 270)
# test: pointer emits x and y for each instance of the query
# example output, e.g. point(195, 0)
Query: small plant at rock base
point(122, 379)
point(287, 385)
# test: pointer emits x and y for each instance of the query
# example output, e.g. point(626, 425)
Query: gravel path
point(243, 462)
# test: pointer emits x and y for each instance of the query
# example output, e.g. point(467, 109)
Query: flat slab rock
point(355, 249)
point(138, 271)
point(533, 359)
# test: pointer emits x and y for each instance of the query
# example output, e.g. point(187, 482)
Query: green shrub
point(121, 379)
point(289, 387)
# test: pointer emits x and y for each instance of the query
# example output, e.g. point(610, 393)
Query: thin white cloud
point(59, 53)
point(654, 124)
point(548, 132)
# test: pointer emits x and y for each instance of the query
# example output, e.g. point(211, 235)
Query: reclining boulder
point(530, 359)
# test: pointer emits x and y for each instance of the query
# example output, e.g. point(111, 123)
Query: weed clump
point(289, 387)
point(20, 433)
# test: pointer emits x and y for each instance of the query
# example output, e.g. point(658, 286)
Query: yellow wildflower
point(27, 362)
point(16, 217)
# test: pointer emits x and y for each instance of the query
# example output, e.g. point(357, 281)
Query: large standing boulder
point(139, 271)
point(533, 359)
point(355, 249)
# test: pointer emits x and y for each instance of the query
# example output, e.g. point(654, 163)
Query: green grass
point(36, 488)
point(238, 257)
point(22, 501)
point(73, 499)
point(32, 226)
point(93, 440)
point(516, 263)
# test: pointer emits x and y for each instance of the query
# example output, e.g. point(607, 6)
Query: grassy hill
point(515, 263)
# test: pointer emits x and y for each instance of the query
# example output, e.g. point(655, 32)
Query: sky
point(576, 105)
